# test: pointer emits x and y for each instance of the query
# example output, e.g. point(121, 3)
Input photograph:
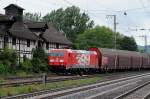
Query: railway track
point(147, 96)
point(108, 91)
point(39, 80)
point(139, 92)
point(93, 91)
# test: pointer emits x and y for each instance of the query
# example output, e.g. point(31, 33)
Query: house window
point(14, 41)
point(57, 46)
point(34, 42)
point(28, 43)
point(47, 45)
point(6, 39)
point(39, 44)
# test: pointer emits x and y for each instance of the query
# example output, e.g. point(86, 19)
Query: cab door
point(69, 58)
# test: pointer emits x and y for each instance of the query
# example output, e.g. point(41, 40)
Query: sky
point(135, 23)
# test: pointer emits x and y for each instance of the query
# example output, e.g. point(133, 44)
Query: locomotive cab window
point(58, 54)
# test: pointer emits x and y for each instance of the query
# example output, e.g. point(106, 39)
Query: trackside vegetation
point(9, 62)
point(9, 91)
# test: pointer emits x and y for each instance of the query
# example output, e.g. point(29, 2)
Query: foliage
point(70, 21)
point(32, 16)
point(128, 43)
point(26, 65)
point(103, 37)
point(8, 58)
point(96, 37)
point(4, 69)
point(39, 60)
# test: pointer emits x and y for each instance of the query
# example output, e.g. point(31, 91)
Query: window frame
point(28, 43)
point(14, 41)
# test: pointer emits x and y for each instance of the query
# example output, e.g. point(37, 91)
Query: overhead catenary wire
point(144, 8)
point(98, 13)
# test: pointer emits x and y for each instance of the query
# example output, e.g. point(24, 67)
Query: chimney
point(14, 10)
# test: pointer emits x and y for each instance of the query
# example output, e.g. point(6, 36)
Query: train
point(97, 60)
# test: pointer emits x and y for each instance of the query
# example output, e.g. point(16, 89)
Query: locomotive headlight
point(51, 60)
point(61, 60)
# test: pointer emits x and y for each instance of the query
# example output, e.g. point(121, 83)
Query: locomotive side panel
point(83, 59)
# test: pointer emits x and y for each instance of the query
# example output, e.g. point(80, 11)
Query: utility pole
point(145, 40)
point(115, 25)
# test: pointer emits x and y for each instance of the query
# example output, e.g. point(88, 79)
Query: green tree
point(39, 60)
point(32, 16)
point(4, 69)
point(128, 43)
point(8, 58)
point(70, 20)
point(26, 65)
point(96, 37)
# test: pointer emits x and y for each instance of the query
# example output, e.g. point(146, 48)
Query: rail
point(58, 92)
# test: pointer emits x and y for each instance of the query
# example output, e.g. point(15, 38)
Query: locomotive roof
point(75, 51)
point(84, 51)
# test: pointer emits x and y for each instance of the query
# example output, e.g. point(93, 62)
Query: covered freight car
point(111, 59)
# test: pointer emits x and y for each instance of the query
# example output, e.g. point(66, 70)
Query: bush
point(39, 61)
point(4, 69)
point(8, 57)
point(8, 61)
point(26, 65)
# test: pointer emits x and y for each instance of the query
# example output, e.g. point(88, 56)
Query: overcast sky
point(138, 13)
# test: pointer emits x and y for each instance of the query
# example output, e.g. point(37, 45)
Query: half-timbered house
point(24, 35)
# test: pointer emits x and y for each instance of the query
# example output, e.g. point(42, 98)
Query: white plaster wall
point(1, 42)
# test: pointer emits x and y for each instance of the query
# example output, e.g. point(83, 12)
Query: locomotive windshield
point(60, 54)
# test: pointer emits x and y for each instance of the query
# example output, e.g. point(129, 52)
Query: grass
point(9, 91)
point(2, 80)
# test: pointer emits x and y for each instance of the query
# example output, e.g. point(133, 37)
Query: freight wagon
point(110, 59)
point(96, 59)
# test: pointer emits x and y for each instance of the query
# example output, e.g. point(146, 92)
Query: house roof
point(52, 35)
point(14, 5)
point(25, 28)
point(20, 30)
point(35, 25)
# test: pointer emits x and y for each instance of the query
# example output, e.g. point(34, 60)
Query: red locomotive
point(101, 59)
point(67, 59)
